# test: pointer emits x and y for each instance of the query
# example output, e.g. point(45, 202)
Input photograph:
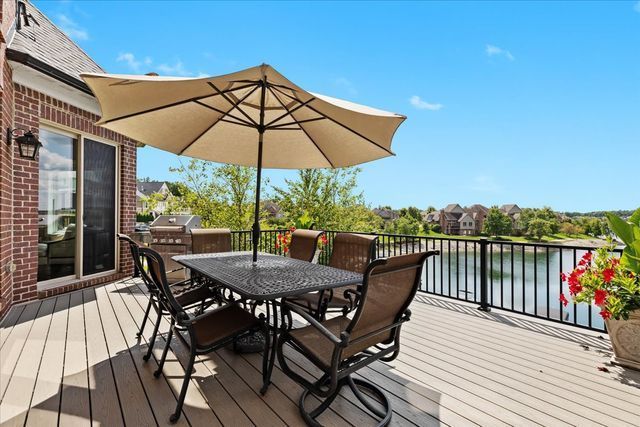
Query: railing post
point(484, 284)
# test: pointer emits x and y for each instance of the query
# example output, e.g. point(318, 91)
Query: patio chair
point(351, 252)
point(304, 244)
point(187, 294)
point(210, 240)
point(205, 332)
point(342, 345)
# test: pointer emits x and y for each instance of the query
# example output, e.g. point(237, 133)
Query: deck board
point(75, 358)
point(45, 402)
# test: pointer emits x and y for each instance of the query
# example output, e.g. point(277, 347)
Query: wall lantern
point(28, 144)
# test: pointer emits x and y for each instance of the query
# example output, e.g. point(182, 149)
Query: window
point(77, 191)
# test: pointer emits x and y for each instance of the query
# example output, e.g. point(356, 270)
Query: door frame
point(81, 137)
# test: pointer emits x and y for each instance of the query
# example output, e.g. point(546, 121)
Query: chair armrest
point(306, 316)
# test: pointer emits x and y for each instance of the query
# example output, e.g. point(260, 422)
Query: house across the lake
point(467, 221)
point(61, 210)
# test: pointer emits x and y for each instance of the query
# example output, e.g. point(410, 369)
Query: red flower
point(575, 289)
point(615, 262)
point(286, 249)
point(587, 257)
point(608, 274)
point(605, 314)
point(563, 277)
point(564, 300)
point(600, 297)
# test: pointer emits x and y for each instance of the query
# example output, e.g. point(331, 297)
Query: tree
point(570, 229)
point(222, 195)
point(546, 214)
point(330, 197)
point(411, 212)
point(497, 223)
point(406, 225)
point(538, 228)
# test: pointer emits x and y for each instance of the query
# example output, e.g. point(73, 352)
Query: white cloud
point(176, 69)
point(71, 28)
point(346, 84)
point(136, 65)
point(420, 104)
point(636, 7)
point(131, 61)
point(492, 50)
point(485, 183)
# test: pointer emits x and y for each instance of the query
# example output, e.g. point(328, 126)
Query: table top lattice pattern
point(271, 277)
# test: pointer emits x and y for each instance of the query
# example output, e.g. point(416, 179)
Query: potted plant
point(613, 284)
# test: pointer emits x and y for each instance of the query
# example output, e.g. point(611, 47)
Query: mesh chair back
point(210, 240)
point(387, 291)
point(352, 252)
point(304, 244)
point(135, 254)
point(158, 276)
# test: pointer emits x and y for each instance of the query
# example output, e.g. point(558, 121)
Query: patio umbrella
point(254, 117)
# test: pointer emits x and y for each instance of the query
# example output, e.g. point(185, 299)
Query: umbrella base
point(252, 343)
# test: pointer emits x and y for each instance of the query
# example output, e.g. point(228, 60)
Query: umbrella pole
point(261, 129)
point(256, 213)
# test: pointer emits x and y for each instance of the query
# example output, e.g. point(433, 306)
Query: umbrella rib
point(173, 104)
point(226, 113)
point(234, 104)
point(221, 118)
point(344, 126)
point(288, 113)
point(303, 130)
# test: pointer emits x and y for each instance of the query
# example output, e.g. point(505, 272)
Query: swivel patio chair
point(205, 332)
point(210, 240)
point(188, 295)
point(351, 252)
point(342, 345)
point(304, 244)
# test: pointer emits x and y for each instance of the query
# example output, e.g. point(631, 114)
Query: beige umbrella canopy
point(254, 117)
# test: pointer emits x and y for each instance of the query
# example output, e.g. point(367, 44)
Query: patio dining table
point(268, 280)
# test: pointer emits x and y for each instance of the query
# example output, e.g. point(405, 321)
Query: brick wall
point(6, 193)
point(20, 203)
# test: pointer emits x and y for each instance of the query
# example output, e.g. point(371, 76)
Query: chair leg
point(164, 352)
point(376, 393)
point(185, 384)
point(144, 319)
point(152, 341)
point(356, 385)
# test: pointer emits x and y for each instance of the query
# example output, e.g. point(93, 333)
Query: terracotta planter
point(625, 340)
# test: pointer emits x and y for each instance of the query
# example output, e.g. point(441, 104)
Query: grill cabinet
point(170, 236)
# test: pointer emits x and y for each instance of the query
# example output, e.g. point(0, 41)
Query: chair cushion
point(223, 323)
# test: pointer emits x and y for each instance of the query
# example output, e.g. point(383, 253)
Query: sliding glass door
point(57, 216)
point(77, 191)
point(99, 207)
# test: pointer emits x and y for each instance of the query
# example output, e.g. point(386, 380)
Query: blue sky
point(532, 103)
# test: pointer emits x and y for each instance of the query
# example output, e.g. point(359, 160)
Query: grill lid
point(183, 223)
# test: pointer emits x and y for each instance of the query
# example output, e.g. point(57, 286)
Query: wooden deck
point(74, 360)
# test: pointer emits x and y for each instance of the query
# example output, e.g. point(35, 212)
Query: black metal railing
point(520, 277)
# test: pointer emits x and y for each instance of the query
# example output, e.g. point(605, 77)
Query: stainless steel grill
point(170, 236)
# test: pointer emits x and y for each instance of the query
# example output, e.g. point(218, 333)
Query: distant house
point(479, 214)
point(272, 209)
point(386, 214)
point(513, 211)
point(449, 217)
point(467, 225)
point(144, 189)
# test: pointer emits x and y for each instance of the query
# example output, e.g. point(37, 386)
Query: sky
point(534, 103)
